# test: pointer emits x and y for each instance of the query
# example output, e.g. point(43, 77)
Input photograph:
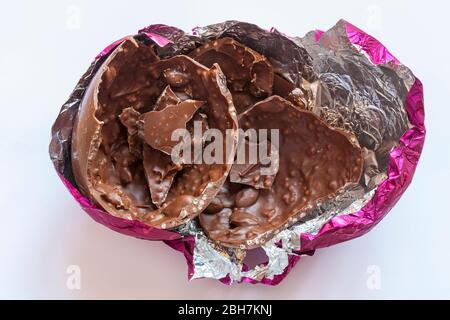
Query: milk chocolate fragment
point(249, 74)
point(167, 98)
point(160, 172)
point(315, 163)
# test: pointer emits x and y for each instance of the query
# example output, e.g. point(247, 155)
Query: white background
point(45, 48)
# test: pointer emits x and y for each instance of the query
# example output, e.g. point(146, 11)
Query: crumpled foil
point(352, 81)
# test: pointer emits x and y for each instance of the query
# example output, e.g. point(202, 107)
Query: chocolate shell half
point(121, 139)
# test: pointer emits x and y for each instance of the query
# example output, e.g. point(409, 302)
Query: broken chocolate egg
point(123, 143)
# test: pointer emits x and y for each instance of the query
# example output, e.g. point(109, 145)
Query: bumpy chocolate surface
point(250, 75)
point(159, 125)
point(314, 163)
point(120, 142)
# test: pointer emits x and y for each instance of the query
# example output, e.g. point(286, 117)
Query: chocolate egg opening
point(123, 143)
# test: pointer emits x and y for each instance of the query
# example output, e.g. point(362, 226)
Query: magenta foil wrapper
point(401, 165)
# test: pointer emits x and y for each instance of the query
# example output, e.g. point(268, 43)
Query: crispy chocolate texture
point(316, 162)
point(122, 145)
point(250, 173)
point(157, 130)
point(249, 74)
point(159, 168)
point(113, 160)
point(160, 172)
point(130, 119)
point(158, 126)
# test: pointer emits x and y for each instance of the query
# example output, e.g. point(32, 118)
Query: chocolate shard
point(96, 131)
point(316, 162)
point(160, 172)
point(167, 98)
point(130, 119)
point(197, 128)
point(219, 115)
point(248, 73)
point(252, 173)
point(158, 126)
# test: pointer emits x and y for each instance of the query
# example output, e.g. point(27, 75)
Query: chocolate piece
point(167, 98)
point(129, 118)
point(248, 73)
point(287, 90)
point(158, 126)
point(160, 172)
point(91, 121)
point(243, 101)
point(250, 173)
point(159, 168)
point(316, 162)
point(108, 163)
point(198, 141)
point(157, 130)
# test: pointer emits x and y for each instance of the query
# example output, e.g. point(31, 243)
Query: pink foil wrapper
point(403, 160)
